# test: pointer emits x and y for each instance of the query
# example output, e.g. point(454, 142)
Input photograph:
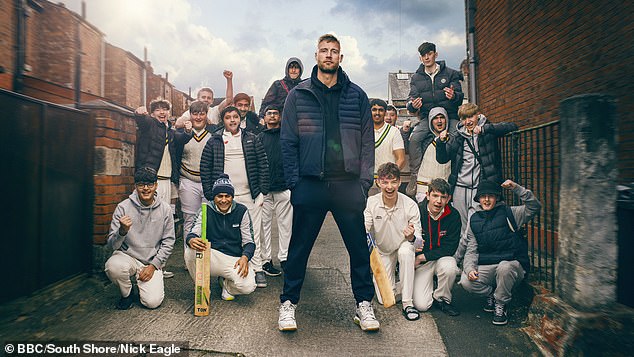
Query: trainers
point(270, 270)
point(499, 315)
point(167, 274)
point(125, 302)
point(224, 294)
point(446, 307)
point(260, 279)
point(365, 317)
point(286, 321)
point(490, 305)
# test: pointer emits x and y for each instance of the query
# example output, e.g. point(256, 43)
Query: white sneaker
point(224, 294)
point(365, 317)
point(286, 322)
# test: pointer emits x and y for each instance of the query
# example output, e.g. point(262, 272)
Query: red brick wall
point(91, 59)
point(533, 54)
point(52, 43)
point(7, 43)
point(113, 130)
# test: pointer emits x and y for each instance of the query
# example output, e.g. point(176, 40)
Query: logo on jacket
point(442, 234)
point(444, 80)
point(378, 217)
point(236, 225)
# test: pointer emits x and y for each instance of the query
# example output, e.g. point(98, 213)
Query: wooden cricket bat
point(380, 275)
point(202, 296)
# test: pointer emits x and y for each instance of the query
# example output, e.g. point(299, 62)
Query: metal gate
point(47, 168)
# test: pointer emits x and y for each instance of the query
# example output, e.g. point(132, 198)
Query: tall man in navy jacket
point(327, 143)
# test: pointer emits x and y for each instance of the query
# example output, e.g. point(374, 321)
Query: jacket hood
point(463, 130)
point(432, 113)
point(301, 69)
point(421, 67)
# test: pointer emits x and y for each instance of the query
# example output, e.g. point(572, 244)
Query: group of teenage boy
point(320, 145)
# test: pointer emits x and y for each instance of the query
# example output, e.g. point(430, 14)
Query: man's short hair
point(160, 103)
point(388, 170)
point(228, 109)
point(204, 89)
point(468, 110)
point(379, 102)
point(241, 96)
point(328, 38)
point(145, 175)
point(439, 185)
point(198, 106)
point(391, 108)
point(426, 47)
point(272, 107)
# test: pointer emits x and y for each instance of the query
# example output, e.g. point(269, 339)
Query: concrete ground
point(82, 309)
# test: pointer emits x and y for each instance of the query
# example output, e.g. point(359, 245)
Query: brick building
point(530, 55)
point(53, 37)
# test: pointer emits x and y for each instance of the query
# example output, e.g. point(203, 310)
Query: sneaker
point(125, 302)
point(286, 321)
point(490, 305)
point(270, 270)
point(365, 317)
point(224, 294)
point(260, 279)
point(167, 274)
point(446, 307)
point(499, 315)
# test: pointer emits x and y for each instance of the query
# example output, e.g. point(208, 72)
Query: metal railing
point(531, 158)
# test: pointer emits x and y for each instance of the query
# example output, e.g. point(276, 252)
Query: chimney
point(83, 10)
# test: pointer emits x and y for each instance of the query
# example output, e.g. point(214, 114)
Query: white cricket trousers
point(255, 211)
point(191, 196)
point(223, 265)
point(446, 270)
point(120, 267)
point(404, 255)
point(280, 203)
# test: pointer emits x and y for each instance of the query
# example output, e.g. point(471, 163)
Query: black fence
point(47, 192)
point(531, 158)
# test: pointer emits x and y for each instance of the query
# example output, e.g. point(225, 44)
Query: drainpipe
point(144, 94)
point(20, 45)
point(471, 50)
point(78, 65)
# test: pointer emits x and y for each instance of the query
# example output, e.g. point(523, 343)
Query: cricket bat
point(380, 275)
point(202, 296)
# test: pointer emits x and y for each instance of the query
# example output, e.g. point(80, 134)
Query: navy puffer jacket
point(303, 137)
point(150, 144)
point(433, 94)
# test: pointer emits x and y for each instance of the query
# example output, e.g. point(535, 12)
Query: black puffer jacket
point(491, 168)
point(270, 139)
point(212, 163)
point(276, 95)
point(150, 144)
point(433, 94)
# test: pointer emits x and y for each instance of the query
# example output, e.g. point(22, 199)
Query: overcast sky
point(194, 40)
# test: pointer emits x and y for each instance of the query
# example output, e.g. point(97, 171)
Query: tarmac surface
point(82, 309)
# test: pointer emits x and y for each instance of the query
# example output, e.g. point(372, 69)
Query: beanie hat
point(222, 185)
point(145, 175)
point(488, 188)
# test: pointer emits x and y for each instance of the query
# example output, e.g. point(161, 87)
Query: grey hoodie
point(432, 113)
point(151, 237)
point(469, 174)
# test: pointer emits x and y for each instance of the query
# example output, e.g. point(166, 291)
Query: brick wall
point(7, 43)
point(533, 54)
point(91, 40)
point(134, 81)
point(115, 137)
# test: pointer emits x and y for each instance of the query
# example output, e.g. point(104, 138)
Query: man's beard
point(324, 69)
